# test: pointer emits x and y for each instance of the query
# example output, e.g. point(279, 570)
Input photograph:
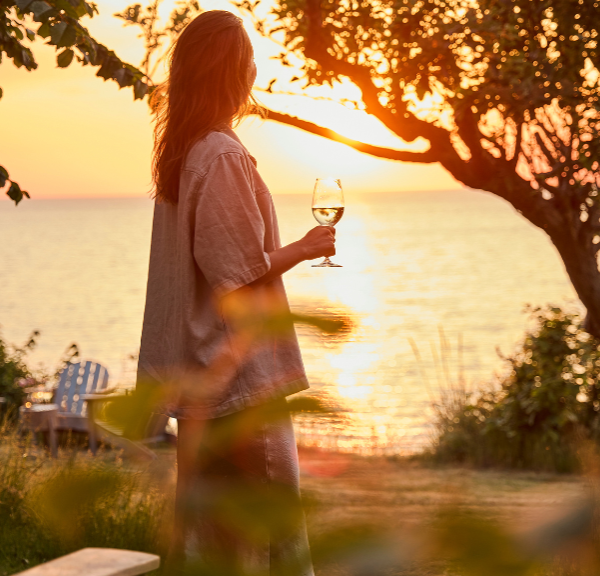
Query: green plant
point(548, 400)
point(22, 542)
point(14, 374)
point(50, 507)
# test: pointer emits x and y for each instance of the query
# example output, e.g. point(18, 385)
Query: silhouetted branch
point(378, 151)
point(518, 142)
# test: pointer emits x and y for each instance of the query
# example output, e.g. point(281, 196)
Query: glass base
point(327, 263)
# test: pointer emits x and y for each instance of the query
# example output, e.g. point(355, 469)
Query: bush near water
point(13, 372)
point(545, 408)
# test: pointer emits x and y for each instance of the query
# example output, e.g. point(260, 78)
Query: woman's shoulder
point(206, 150)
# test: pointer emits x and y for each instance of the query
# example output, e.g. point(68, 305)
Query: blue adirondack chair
point(68, 410)
point(75, 381)
point(81, 390)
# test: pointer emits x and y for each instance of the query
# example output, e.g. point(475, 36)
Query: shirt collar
point(229, 132)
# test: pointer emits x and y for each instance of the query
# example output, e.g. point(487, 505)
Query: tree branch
point(518, 140)
point(550, 158)
point(426, 157)
point(403, 122)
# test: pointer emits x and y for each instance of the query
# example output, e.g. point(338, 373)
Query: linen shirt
point(215, 240)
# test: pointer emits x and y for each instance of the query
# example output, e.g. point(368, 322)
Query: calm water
point(415, 265)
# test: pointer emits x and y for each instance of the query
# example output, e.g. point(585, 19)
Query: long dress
point(225, 375)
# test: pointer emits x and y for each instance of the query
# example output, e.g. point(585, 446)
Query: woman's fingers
point(319, 242)
point(330, 242)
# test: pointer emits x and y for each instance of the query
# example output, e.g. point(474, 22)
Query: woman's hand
point(319, 242)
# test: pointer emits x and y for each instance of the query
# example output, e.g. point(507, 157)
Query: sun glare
point(334, 108)
point(119, 130)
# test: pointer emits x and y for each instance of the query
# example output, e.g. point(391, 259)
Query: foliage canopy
point(486, 81)
point(503, 94)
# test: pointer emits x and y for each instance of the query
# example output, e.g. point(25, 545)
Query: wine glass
point(328, 208)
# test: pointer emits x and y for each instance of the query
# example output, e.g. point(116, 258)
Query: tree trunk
point(580, 262)
point(559, 218)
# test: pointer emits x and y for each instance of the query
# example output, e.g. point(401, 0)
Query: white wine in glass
point(328, 208)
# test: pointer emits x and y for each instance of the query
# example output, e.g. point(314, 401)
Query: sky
point(69, 134)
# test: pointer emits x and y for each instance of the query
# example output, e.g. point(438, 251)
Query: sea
point(434, 287)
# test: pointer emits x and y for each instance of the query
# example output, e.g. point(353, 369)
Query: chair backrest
point(77, 380)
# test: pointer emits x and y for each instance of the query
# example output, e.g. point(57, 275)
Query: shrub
point(548, 401)
point(14, 373)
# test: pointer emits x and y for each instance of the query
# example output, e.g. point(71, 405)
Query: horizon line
point(5, 198)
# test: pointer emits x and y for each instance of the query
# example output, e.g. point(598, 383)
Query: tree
point(504, 91)
point(58, 22)
point(147, 19)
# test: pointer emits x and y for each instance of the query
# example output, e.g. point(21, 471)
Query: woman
point(209, 342)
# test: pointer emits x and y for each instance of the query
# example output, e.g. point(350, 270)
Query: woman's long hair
point(208, 87)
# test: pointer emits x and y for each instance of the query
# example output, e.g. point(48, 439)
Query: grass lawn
point(365, 515)
point(424, 511)
point(407, 493)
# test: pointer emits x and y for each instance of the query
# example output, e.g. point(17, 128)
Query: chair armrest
point(93, 404)
point(108, 395)
point(37, 408)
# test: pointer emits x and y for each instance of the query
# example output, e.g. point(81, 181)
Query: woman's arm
point(319, 242)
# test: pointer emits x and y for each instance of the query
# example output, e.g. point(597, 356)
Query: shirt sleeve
point(229, 233)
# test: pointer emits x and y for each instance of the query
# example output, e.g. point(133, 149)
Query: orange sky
point(67, 133)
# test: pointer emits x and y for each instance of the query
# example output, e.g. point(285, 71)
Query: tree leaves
point(15, 193)
point(62, 35)
point(41, 10)
point(498, 72)
point(147, 19)
point(140, 89)
point(61, 27)
point(65, 58)
point(510, 58)
point(3, 176)
point(124, 77)
point(44, 30)
point(22, 4)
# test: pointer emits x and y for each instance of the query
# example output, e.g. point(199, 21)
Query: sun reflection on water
point(349, 366)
